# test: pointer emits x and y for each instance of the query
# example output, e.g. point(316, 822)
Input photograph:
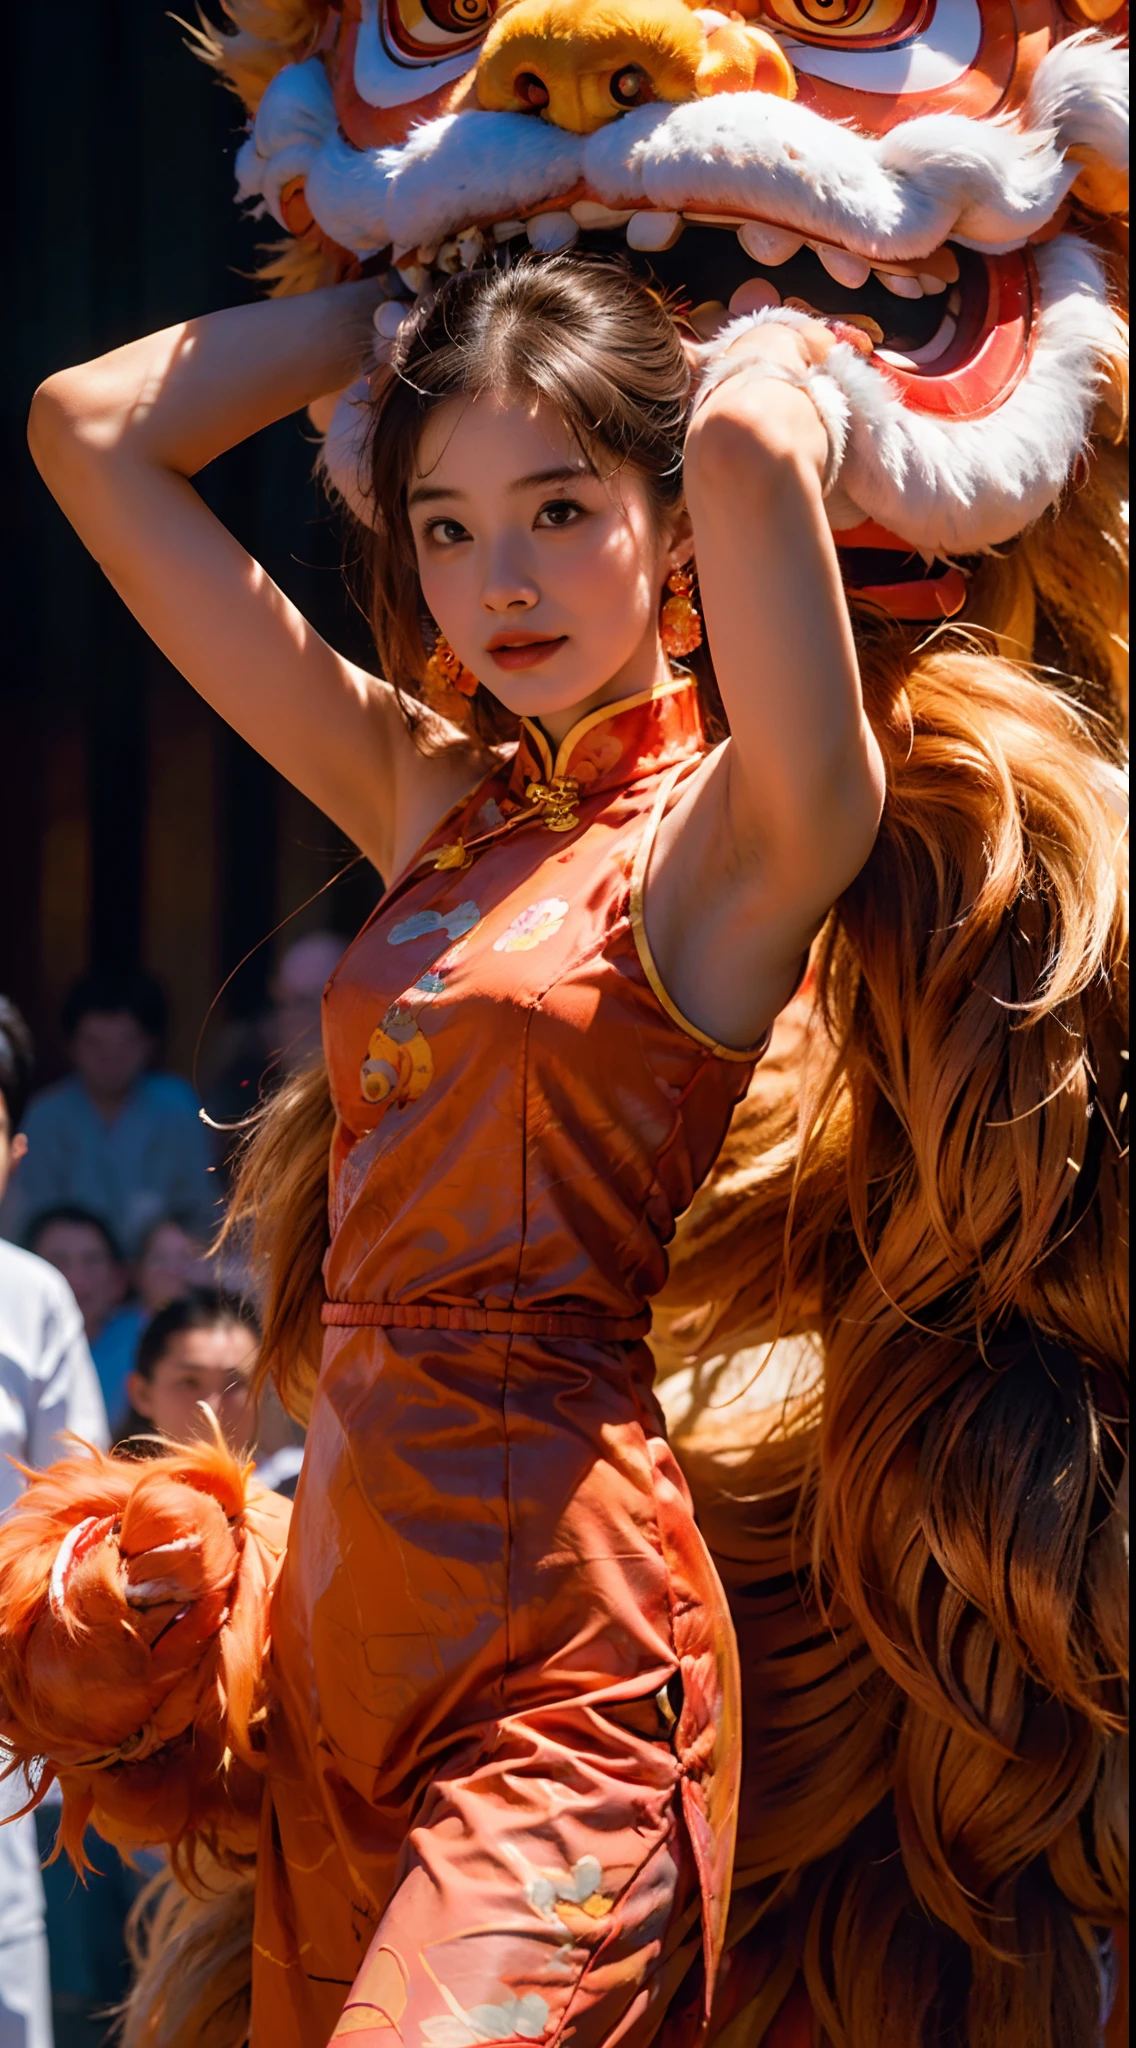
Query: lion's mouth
point(920, 316)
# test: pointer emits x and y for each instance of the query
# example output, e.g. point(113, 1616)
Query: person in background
point(80, 1246)
point(170, 1262)
point(47, 1385)
point(115, 1137)
point(199, 1353)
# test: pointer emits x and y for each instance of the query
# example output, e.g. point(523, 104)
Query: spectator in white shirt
point(48, 1385)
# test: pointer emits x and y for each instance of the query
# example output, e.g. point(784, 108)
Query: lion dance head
point(949, 175)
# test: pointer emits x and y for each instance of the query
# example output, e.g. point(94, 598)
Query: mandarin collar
point(622, 742)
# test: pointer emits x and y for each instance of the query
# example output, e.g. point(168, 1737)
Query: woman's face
point(544, 577)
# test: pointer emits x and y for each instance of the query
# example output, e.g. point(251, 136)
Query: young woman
point(502, 1754)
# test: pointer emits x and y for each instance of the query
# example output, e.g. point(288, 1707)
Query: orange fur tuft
point(134, 1604)
point(265, 35)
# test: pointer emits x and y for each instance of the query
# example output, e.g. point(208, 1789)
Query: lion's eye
point(827, 13)
point(433, 28)
point(853, 20)
point(630, 87)
point(459, 16)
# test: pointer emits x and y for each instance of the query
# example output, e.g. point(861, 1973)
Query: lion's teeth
point(932, 285)
point(588, 213)
point(753, 295)
point(551, 232)
point(415, 277)
point(471, 247)
point(707, 318)
point(508, 230)
point(954, 302)
point(766, 244)
point(653, 230)
point(714, 220)
point(903, 287)
point(842, 265)
point(448, 258)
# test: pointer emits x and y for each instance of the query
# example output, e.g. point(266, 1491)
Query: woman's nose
point(507, 588)
point(583, 63)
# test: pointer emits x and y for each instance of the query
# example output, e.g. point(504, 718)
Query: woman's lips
point(521, 654)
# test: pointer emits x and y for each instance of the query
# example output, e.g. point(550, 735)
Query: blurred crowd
point(119, 1325)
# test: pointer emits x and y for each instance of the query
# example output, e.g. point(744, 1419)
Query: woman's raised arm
point(785, 815)
point(117, 441)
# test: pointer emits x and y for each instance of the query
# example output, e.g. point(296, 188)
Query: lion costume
point(894, 1337)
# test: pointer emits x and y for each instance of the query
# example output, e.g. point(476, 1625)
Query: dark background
point(135, 827)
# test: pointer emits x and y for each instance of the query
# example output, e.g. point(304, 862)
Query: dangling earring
point(445, 670)
point(680, 622)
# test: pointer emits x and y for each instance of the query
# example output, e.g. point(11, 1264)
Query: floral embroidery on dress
point(539, 921)
point(548, 1894)
point(466, 2027)
point(399, 1065)
point(455, 923)
point(571, 1904)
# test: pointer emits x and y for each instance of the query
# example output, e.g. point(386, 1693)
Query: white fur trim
point(1082, 99)
point(346, 191)
point(294, 120)
point(465, 166)
point(956, 486)
point(986, 184)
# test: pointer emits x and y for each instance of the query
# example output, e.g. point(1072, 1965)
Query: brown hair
point(583, 334)
point(925, 1562)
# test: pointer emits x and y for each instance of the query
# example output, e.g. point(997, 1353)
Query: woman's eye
point(559, 512)
point(446, 532)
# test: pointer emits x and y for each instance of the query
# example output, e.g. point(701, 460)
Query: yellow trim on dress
point(642, 944)
point(555, 769)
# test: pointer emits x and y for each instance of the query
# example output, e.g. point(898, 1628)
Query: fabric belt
point(496, 1322)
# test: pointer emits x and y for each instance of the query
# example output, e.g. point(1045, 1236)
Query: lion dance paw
point(134, 1622)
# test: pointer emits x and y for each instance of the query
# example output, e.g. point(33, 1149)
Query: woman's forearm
point(779, 630)
point(179, 398)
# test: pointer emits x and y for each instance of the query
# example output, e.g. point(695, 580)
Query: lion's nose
point(582, 65)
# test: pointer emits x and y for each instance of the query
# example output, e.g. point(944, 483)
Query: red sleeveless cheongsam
point(503, 1763)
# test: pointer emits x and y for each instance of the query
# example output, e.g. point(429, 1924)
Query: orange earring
point(445, 670)
point(680, 622)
